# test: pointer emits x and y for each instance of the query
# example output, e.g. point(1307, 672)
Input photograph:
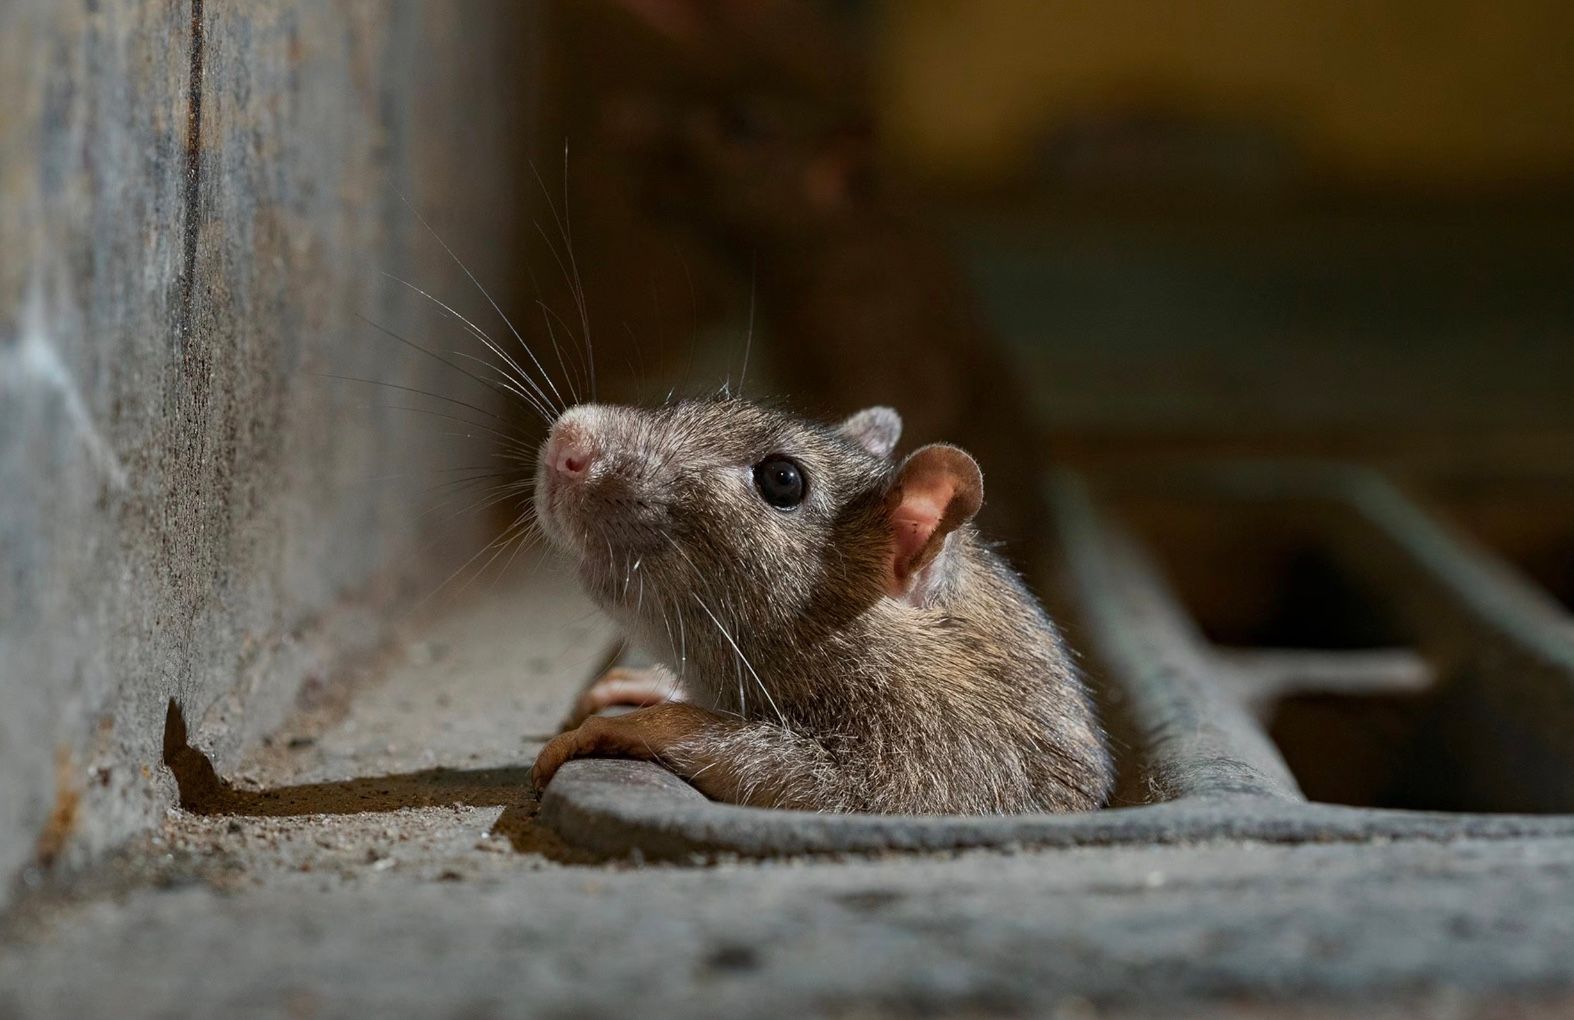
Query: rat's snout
point(588, 482)
point(571, 451)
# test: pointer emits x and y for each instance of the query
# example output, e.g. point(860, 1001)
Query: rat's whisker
point(748, 337)
point(502, 542)
point(515, 447)
point(461, 483)
point(484, 293)
point(517, 536)
point(683, 647)
point(392, 335)
point(520, 376)
point(579, 303)
point(473, 330)
point(547, 315)
point(511, 386)
point(743, 658)
point(571, 271)
point(489, 497)
point(411, 389)
point(461, 569)
point(665, 622)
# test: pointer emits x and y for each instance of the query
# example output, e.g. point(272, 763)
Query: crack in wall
point(193, 174)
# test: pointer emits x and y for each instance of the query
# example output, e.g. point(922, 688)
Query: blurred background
point(1117, 235)
point(1298, 226)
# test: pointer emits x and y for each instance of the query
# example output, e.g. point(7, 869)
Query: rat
point(838, 635)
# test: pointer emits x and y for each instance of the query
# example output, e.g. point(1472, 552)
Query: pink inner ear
point(913, 524)
point(939, 489)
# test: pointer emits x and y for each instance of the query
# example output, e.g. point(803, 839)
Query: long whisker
point(466, 269)
point(745, 659)
point(411, 389)
point(489, 498)
point(429, 353)
point(510, 386)
point(520, 377)
point(465, 565)
point(546, 318)
point(683, 649)
point(512, 536)
point(526, 538)
point(569, 276)
point(548, 313)
point(748, 337)
point(571, 271)
point(513, 443)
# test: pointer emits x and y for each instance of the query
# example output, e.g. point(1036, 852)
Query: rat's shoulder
point(984, 581)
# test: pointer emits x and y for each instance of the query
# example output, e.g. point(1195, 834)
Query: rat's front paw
point(646, 734)
point(653, 685)
point(598, 736)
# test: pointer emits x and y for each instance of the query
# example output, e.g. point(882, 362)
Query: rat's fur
point(811, 685)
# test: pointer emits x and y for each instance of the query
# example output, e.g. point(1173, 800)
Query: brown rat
point(838, 636)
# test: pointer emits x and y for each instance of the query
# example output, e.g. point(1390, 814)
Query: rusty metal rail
point(1436, 702)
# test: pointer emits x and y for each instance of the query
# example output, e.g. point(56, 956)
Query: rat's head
point(757, 516)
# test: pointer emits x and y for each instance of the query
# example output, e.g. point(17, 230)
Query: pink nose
point(570, 453)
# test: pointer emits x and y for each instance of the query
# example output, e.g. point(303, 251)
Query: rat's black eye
point(781, 482)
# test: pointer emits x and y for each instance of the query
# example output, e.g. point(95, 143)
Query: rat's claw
point(623, 686)
point(645, 734)
point(595, 736)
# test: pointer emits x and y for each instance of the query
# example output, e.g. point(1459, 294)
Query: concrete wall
point(196, 202)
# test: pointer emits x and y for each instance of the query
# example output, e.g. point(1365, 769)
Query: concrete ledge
point(635, 809)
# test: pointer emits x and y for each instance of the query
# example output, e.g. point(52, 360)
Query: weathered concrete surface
point(1442, 931)
point(195, 203)
point(384, 864)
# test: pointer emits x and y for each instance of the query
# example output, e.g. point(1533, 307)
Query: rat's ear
point(876, 429)
point(937, 490)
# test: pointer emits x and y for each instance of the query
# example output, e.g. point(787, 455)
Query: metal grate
point(1287, 653)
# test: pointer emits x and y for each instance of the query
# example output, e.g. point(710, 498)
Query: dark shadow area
point(1260, 577)
point(204, 792)
point(1356, 749)
point(1122, 735)
point(1440, 750)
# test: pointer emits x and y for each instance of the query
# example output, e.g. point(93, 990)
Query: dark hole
point(1353, 749)
point(1255, 576)
point(1448, 749)
point(1309, 604)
